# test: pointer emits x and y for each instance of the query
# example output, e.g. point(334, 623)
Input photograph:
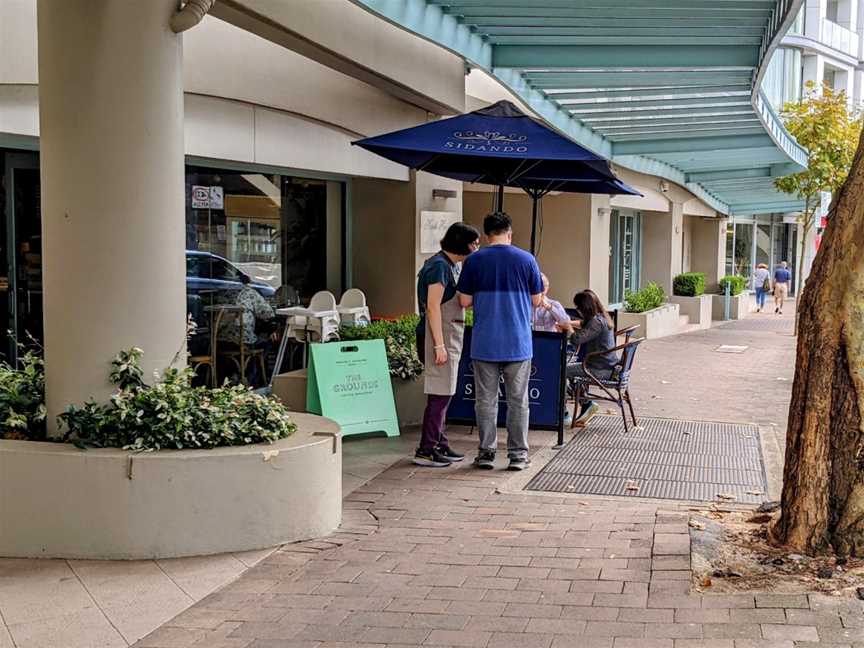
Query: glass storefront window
point(274, 228)
point(743, 249)
point(763, 244)
point(730, 249)
point(625, 237)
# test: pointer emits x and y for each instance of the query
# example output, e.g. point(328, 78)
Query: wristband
point(440, 346)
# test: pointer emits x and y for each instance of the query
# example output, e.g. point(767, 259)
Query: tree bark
point(823, 488)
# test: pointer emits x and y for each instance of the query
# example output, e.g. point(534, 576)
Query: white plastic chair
point(352, 308)
point(318, 323)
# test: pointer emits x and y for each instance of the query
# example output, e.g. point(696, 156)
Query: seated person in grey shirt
point(594, 330)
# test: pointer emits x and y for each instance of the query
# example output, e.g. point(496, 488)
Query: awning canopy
point(664, 87)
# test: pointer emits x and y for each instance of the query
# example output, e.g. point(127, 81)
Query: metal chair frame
point(616, 389)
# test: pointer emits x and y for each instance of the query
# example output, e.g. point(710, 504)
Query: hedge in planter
point(689, 284)
point(736, 284)
point(400, 340)
point(168, 414)
point(649, 298)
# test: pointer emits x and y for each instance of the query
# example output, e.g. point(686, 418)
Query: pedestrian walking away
point(762, 285)
point(782, 279)
point(439, 336)
point(503, 285)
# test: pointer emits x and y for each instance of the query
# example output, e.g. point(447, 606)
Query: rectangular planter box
point(740, 306)
point(698, 309)
point(655, 323)
point(410, 401)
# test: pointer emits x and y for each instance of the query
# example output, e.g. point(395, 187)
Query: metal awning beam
point(703, 145)
point(772, 171)
point(620, 79)
point(725, 5)
point(680, 90)
point(672, 102)
point(598, 52)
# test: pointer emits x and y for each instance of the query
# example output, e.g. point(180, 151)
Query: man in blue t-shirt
point(503, 284)
point(782, 279)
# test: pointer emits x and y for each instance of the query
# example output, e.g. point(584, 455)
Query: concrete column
point(814, 69)
point(709, 250)
point(661, 246)
point(814, 12)
point(599, 250)
point(111, 118)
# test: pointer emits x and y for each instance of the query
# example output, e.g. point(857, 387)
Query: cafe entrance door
point(21, 249)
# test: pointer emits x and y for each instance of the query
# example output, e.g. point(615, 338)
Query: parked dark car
point(206, 271)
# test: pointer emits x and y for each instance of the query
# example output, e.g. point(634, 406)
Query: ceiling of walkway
point(664, 87)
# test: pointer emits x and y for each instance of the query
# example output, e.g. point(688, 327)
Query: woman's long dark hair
point(589, 306)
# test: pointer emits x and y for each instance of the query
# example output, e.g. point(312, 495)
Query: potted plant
point(160, 469)
point(400, 340)
point(688, 292)
point(648, 309)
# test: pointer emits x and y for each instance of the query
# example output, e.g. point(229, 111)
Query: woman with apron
point(439, 336)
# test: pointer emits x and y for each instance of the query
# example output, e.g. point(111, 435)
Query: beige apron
point(441, 379)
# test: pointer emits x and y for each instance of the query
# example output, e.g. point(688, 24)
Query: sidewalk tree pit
point(168, 414)
point(823, 481)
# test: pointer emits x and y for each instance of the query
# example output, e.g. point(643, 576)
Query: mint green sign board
point(349, 382)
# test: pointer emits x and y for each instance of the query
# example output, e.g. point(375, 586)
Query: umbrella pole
point(533, 223)
point(500, 203)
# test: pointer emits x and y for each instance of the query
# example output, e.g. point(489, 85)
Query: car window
point(193, 267)
point(225, 271)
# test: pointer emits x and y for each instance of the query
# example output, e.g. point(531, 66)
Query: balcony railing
point(839, 37)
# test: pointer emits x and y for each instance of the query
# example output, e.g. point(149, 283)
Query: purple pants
point(433, 435)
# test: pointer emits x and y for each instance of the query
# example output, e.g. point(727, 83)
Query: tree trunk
point(823, 485)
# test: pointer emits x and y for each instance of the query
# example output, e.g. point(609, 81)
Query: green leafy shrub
point(736, 284)
point(649, 298)
point(689, 284)
point(171, 414)
point(22, 398)
point(400, 340)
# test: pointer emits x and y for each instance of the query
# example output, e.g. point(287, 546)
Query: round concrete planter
point(61, 502)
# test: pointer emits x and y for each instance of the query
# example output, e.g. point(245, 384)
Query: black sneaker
point(431, 459)
point(450, 453)
point(485, 460)
point(519, 463)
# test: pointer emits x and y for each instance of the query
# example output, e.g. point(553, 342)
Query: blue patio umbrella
point(500, 145)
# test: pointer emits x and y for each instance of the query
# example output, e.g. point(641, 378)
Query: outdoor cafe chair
point(240, 354)
point(617, 388)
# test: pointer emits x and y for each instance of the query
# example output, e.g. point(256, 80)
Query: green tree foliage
point(823, 123)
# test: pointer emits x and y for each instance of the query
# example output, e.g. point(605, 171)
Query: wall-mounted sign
point(208, 197)
point(217, 200)
point(200, 197)
point(433, 226)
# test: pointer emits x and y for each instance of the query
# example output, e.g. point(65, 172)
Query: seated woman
point(594, 332)
point(258, 318)
point(548, 313)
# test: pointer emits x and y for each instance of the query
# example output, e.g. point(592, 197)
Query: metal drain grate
point(663, 459)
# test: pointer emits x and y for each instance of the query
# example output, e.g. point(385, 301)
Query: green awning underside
point(664, 87)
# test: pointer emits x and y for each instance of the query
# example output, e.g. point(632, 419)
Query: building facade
point(267, 99)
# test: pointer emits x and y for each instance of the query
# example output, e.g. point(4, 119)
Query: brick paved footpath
point(442, 558)
point(458, 557)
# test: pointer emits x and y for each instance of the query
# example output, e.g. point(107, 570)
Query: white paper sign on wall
point(217, 200)
point(433, 226)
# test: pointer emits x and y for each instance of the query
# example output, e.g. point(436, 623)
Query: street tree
point(823, 482)
point(825, 125)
